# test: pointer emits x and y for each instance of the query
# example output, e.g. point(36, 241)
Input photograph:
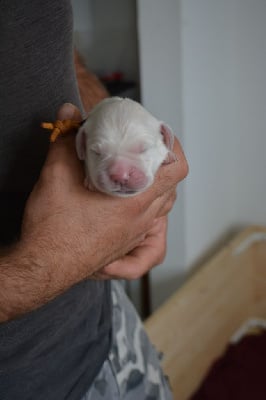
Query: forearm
point(24, 284)
point(35, 272)
point(31, 277)
point(17, 294)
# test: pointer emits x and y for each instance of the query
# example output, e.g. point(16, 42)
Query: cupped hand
point(146, 255)
point(75, 233)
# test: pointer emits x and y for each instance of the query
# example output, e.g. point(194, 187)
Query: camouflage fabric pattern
point(132, 370)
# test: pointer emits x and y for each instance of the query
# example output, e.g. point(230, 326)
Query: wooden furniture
point(194, 326)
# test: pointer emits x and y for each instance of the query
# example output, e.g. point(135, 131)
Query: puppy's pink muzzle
point(125, 174)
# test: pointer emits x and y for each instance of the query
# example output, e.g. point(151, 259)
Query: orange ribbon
point(60, 128)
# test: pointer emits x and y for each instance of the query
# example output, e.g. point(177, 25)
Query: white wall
point(203, 66)
point(250, 112)
point(224, 119)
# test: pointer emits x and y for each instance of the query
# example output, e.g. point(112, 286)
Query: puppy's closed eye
point(96, 149)
point(140, 148)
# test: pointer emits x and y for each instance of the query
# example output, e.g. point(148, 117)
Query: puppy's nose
point(127, 175)
point(119, 173)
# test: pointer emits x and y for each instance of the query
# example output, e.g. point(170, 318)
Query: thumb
point(63, 150)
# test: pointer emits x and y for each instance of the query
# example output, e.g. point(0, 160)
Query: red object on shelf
point(115, 76)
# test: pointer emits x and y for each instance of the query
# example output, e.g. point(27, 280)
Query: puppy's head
point(123, 146)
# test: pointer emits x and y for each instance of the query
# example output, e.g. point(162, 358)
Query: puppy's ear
point(168, 138)
point(81, 143)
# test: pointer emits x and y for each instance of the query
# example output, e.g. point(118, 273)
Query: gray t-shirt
point(54, 352)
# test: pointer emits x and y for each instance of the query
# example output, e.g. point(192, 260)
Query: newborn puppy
point(123, 146)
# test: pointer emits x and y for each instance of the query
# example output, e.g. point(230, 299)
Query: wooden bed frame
point(195, 325)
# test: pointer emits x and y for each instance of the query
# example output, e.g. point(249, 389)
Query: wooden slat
point(193, 327)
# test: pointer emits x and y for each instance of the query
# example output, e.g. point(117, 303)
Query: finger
point(173, 173)
point(161, 206)
point(65, 145)
point(166, 180)
point(69, 111)
point(164, 207)
point(62, 161)
point(149, 253)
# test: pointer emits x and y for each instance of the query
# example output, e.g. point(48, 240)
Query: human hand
point(73, 233)
point(69, 233)
point(147, 254)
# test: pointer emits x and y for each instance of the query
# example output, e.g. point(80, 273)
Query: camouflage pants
point(132, 370)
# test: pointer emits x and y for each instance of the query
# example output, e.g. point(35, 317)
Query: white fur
point(120, 129)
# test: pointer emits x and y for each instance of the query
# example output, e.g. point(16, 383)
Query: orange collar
point(60, 128)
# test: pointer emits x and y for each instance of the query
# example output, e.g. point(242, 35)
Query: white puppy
point(123, 146)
